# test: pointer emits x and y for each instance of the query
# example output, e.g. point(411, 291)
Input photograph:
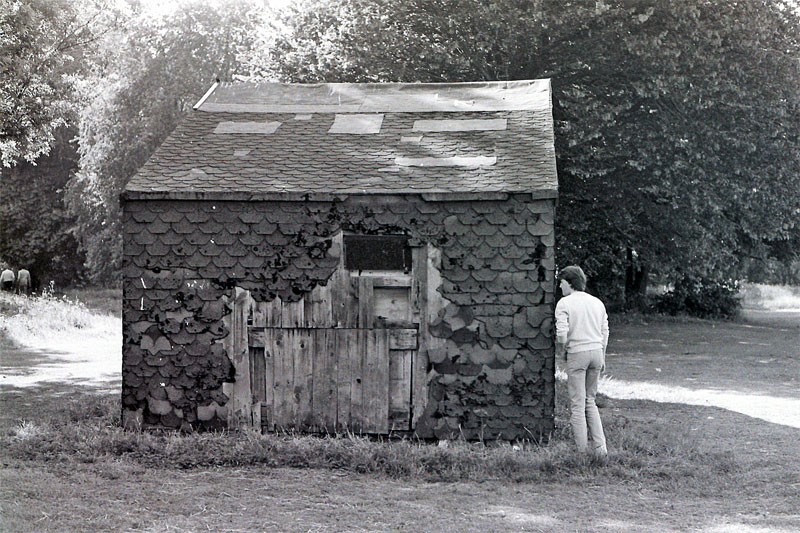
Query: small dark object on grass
point(602, 401)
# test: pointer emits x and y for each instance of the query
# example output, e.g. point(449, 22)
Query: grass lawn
point(67, 466)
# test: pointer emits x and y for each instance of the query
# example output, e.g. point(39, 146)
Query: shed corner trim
point(205, 96)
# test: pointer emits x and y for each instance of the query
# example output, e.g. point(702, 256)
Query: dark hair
point(574, 276)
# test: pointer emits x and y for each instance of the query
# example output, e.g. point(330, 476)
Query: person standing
point(581, 338)
point(7, 280)
point(23, 281)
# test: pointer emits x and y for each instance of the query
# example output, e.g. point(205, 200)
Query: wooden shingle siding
point(481, 298)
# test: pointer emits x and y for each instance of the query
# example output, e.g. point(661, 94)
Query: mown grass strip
point(86, 430)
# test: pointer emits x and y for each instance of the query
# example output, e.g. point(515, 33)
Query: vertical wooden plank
point(331, 392)
point(259, 314)
point(293, 314)
point(366, 307)
point(275, 343)
point(308, 310)
point(251, 306)
point(319, 369)
point(268, 416)
point(344, 341)
point(240, 406)
point(357, 356)
point(337, 283)
point(375, 381)
point(325, 389)
point(318, 308)
point(257, 369)
point(284, 376)
point(339, 297)
point(379, 363)
point(272, 313)
point(303, 377)
point(323, 308)
point(400, 388)
point(426, 264)
point(368, 382)
point(351, 301)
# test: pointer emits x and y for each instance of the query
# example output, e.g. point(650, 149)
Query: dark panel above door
point(377, 252)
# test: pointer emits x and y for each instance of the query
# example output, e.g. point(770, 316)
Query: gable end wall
point(490, 376)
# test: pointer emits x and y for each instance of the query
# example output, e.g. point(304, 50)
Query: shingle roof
point(273, 138)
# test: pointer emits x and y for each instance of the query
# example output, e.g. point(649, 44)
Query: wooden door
point(340, 358)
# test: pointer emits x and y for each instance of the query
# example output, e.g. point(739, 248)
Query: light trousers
point(583, 369)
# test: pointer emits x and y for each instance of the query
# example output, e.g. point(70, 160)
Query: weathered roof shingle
point(492, 137)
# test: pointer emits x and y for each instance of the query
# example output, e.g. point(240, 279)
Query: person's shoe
point(601, 457)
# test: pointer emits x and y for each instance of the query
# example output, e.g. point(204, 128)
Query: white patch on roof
point(306, 116)
point(357, 124)
point(241, 153)
point(411, 138)
point(492, 124)
point(247, 127)
point(477, 161)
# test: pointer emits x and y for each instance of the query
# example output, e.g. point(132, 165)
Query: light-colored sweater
point(581, 323)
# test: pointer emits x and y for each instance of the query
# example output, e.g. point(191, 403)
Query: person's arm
point(562, 329)
point(604, 331)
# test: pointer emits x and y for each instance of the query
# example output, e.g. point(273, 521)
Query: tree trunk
point(636, 280)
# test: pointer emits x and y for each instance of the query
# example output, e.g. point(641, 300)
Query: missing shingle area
point(357, 124)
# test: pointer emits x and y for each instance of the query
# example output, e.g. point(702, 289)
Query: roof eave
point(301, 196)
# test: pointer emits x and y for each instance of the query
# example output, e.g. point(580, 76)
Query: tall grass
point(47, 321)
point(102, 301)
point(86, 430)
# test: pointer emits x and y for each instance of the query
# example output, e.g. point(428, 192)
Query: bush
point(701, 297)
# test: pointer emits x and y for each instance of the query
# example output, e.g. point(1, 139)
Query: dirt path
point(22, 368)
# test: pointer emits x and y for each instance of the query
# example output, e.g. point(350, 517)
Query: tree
point(676, 123)
point(145, 78)
point(35, 229)
point(41, 42)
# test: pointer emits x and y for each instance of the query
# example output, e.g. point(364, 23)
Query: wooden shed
point(370, 257)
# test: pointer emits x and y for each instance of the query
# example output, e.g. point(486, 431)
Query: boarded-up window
point(377, 252)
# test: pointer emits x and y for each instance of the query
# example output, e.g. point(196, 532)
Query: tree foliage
point(145, 78)
point(676, 122)
point(35, 228)
point(41, 43)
